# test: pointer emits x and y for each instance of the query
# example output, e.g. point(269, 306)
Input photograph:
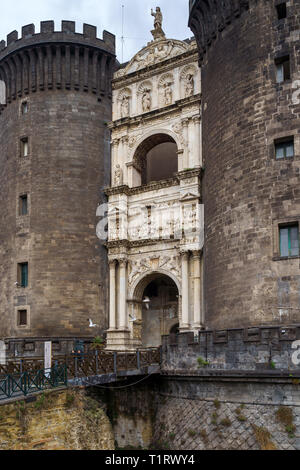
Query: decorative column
point(198, 146)
point(112, 295)
point(185, 123)
point(185, 291)
point(114, 159)
point(197, 289)
point(124, 159)
point(122, 295)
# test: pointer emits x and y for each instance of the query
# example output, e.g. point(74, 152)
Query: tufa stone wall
point(247, 192)
point(64, 420)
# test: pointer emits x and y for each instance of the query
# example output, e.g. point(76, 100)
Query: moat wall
point(63, 420)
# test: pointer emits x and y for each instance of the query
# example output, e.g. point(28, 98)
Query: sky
point(105, 14)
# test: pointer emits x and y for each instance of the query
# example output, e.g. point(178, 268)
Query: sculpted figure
point(189, 85)
point(146, 100)
point(118, 176)
point(125, 106)
point(168, 93)
point(158, 18)
point(163, 51)
point(157, 32)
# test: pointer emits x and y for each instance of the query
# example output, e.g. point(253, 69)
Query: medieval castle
point(199, 166)
point(157, 203)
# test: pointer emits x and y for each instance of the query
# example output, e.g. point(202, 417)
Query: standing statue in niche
point(189, 85)
point(125, 106)
point(146, 100)
point(157, 32)
point(118, 176)
point(168, 93)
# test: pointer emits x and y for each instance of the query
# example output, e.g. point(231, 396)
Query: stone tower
point(250, 58)
point(54, 163)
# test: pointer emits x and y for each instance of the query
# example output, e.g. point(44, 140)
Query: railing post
point(96, 354)
point(138, 358)
point(76, 367)
point(21, 366)
point(115, 362)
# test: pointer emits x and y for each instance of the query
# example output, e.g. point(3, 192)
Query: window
point(24, 147)
point(22, 317)
point(23, 274)
point(23, 205)
point(289, 240)
point(24, 107)
point(284, 148)
point(281, 10)
point(283, 72)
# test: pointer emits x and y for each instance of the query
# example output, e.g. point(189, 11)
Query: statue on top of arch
point(157, 32)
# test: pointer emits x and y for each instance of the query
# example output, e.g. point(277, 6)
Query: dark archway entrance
point(159, 310)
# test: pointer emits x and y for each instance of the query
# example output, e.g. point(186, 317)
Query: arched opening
point(159, 310)
point(156, 158)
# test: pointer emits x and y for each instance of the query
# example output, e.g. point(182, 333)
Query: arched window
point(156, 158)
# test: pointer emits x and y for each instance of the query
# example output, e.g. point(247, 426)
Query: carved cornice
point(142, 189)
point(189, 173)
point(139, 243)
point(209, 18)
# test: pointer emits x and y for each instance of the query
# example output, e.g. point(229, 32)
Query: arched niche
point(156, 159)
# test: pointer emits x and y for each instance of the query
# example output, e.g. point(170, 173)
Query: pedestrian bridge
point(26, 376)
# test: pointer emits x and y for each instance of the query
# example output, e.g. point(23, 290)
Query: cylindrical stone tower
point(54, 163)
point(250, 57)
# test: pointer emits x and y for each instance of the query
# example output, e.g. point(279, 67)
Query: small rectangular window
point(281, 10)
point(24, 107)
point(283, 71)
point(284, 148)
point(23, 274)
point(22, 317)
point(23, 205)
point(289, 240)
point(24, 147)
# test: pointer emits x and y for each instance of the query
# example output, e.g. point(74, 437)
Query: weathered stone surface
point(65, 420)
point(67, 88)
point(247, 192)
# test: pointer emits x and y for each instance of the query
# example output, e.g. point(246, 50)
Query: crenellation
point(90, 31)
point(68, 26)
point(28, 30)
point(47, 27)
point(12, 37)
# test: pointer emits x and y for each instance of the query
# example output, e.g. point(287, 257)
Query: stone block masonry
point(247, 192)
point(58, 101)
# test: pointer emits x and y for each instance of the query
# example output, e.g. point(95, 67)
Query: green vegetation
point(226, 422)
point(285, 416)
point(202, 362)
point(263, 438)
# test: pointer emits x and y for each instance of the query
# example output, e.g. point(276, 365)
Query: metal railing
point(87, 364)
point(25, 383)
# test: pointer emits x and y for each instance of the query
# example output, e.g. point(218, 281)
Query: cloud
point(105, 14)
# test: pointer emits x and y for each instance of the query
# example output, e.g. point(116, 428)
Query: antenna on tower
point(122, 38)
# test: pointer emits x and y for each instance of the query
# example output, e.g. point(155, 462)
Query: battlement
point(256, 349)
point(48, 34)
point(57, 60)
